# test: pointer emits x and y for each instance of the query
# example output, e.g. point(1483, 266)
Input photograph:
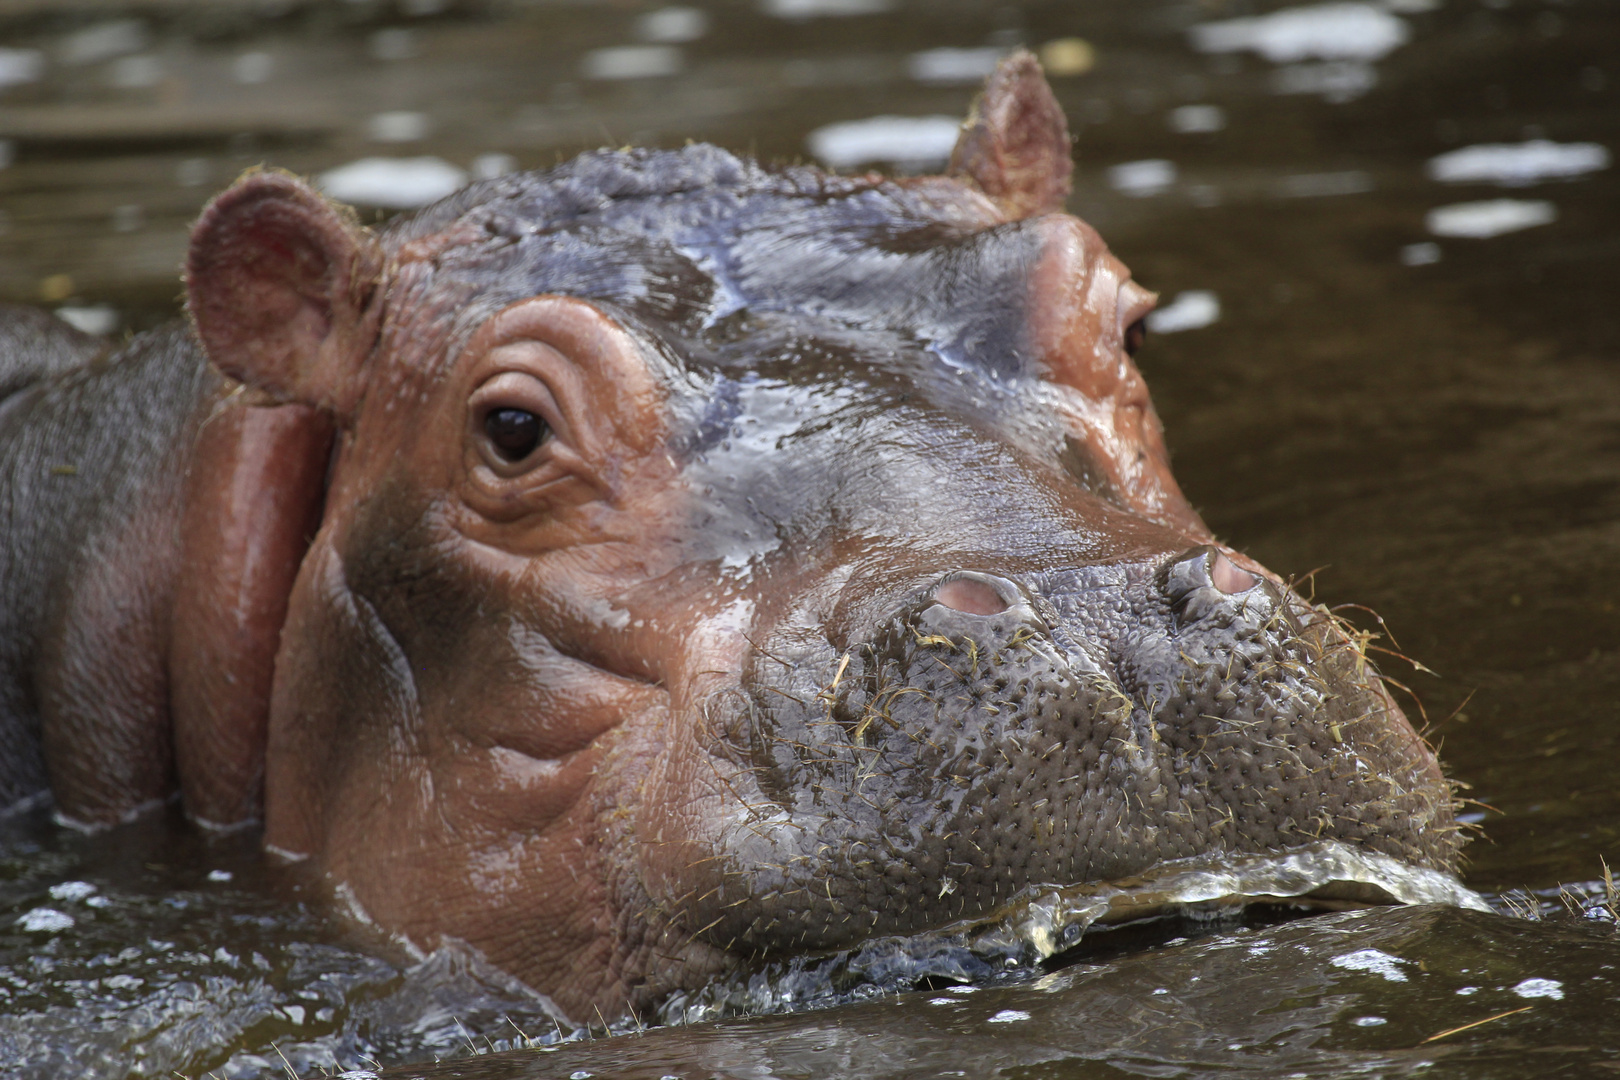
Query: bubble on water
point(219, 875)
point(1468, 991)
point(1370, 1021)
point(1340, 31)
point(1488, 218)
point(1373, 962)
point(71, 890)
point(46, 921)
point(1009, 1016)
point(1540, 988)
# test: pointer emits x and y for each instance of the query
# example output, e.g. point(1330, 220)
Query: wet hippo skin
point(663, 562)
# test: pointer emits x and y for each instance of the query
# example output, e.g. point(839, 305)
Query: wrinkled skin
point(847, 593)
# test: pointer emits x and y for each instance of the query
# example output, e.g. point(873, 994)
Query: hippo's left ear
point(279, 283)
point(1015, 142)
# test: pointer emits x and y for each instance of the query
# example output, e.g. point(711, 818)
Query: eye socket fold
point(514, 433)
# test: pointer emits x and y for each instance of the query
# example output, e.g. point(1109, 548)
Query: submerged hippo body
point(704, 562)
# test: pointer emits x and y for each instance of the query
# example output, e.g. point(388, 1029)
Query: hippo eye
point(514, 433)
point(1135, 334)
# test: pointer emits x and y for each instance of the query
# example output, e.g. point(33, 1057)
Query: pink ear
point(279, 283)
point(1015, 142)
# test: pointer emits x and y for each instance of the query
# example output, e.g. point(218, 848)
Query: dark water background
point(1431, 422)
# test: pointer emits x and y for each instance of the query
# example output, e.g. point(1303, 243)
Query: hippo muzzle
point(990, 734)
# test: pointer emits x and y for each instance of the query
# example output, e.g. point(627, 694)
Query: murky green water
point(1431, 420)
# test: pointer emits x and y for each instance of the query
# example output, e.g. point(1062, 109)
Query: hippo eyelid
point(512, 391)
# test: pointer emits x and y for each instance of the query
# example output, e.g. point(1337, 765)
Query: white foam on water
point(1336, 81)
point(71, 890)
point(1370, 1021)
point(1009, 1016)
point(810, 9)
point(619, 62)
point(1373, 962)
point(917, 141)
point(953, 65)
point(489, 166)
point(103, 42)
point(98, 319)
point(1540, 988)
point(672, 25)
point(1191, 310)
point(1196, 119)
point(398, 126)
point(19, 66)
point(1140, 179)
point(392, 183)
point(1420, 254)
point(1341, 31)
point(46, 921)
point(1316, 185)
point(1491, 217)
point(1518, 164)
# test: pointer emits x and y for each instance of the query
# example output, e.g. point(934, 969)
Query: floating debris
point(1140, 179)
point(911, 142)
point(1190, 310)
point(1491, 217)
point(1518, 164)
point(1345, 31)
point(392, 183)
point(1068, 56)
point(1196, 119)
point(632, 62)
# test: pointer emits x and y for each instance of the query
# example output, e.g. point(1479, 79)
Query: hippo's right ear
point(280, 283)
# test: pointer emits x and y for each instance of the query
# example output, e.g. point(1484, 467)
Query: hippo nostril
point(970, 596)
point(1228, 576)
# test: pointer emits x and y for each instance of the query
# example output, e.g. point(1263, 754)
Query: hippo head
point(722, 562)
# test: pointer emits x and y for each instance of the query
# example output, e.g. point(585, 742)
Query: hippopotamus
point(665, 561)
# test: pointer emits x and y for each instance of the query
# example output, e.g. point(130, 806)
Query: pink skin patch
point(1228, 577)
point(973, 597)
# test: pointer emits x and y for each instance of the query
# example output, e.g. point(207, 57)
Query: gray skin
point(847, 592)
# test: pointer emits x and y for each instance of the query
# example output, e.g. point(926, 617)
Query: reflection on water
point(1372, 359)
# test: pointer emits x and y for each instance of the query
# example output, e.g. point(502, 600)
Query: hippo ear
point(279, 282)
point(1015, 142)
